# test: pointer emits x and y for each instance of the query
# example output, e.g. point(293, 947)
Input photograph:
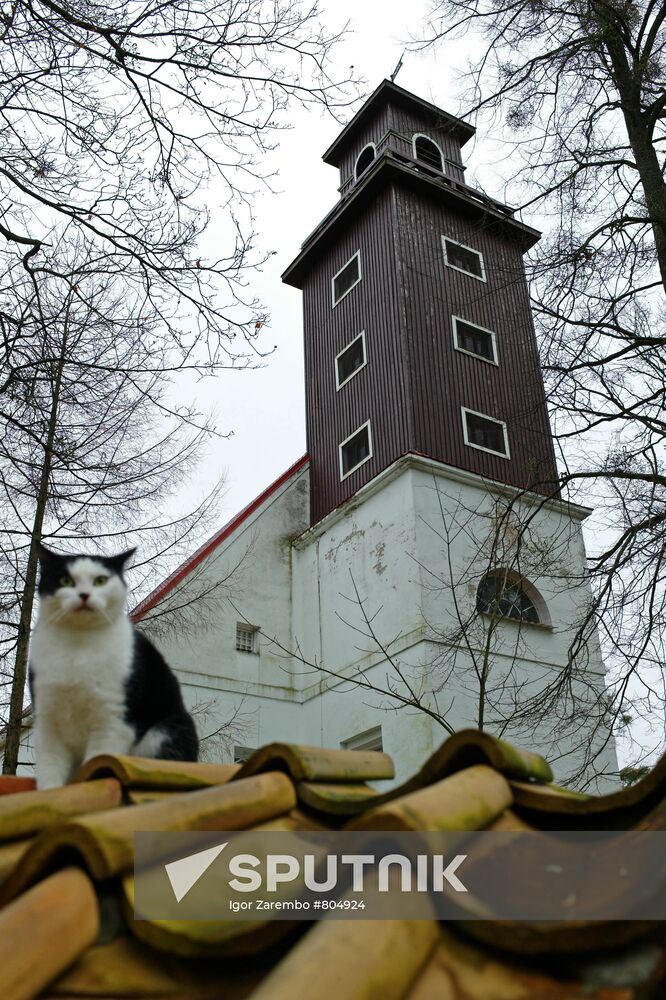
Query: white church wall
point(252, 568)
point(402, 542)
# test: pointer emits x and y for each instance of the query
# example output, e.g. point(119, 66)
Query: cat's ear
point(118, 562)
point(45, 555)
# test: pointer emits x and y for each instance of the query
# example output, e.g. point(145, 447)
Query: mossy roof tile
point(473, 781)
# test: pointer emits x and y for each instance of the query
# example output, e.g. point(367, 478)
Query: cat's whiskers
point(57, 616)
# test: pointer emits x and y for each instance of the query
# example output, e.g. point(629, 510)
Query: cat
point(98, 685)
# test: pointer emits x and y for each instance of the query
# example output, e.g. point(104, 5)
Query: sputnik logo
point(186, 872)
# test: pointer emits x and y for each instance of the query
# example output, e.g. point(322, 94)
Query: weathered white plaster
point(410, 543)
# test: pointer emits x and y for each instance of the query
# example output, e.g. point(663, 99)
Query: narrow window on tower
point(364, 159)
point(463, 258)
point(486, 433)
point(350, 360)
point(346, 278)
point(475, 340)
point(355, 450)
point(428, 152)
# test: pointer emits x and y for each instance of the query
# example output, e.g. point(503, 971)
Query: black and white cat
point(98, 685)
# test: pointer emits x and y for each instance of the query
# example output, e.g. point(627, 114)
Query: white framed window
point(364, 159)
point(427, 151)
point(355, 450)
point(350, 360)
point(346, 278)
point(463, 258)
point(246, 637)
point(485, 433)
point(470, 338)
point(371, 739)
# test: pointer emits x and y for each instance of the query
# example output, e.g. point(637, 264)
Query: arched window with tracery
point(427, 151)
point(503, 593)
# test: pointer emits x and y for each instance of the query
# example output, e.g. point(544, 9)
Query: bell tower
point(417, 324)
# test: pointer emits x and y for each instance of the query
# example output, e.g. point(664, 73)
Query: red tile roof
point(190, 564)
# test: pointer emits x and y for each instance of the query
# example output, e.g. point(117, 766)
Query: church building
point(417, 571)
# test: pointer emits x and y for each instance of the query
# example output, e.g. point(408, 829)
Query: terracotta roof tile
point(12, 783)
point(48, 921)
point(319, 764)
point(469, 800)
point(146, 772)
point(44, 930)
point(29, 812)
point(357, 960)
point(105, 840)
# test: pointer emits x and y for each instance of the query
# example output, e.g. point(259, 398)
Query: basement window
point(346, 278)
point(246, 637)
point(350, 360)
point(364, 159)
point(355, 450)
point(485, 433)
point(474, 340)
point(427, 151)
point(463, 258)
point(371, 739)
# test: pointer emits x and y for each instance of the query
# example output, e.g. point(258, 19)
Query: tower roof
point(388, 91)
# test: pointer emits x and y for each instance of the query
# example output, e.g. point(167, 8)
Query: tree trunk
point(14, 723)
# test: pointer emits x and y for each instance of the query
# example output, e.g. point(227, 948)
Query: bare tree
point(88, 446)
point(124, 121)
point(578, 92)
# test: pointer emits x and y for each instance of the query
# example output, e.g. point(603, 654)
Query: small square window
point(485, 433)
point(473, 339)
point(355, 450)
point(246, 637)
point(350, 360)
point(463, 258)
point(347, 277)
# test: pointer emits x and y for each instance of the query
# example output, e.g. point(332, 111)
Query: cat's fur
point(98, 685)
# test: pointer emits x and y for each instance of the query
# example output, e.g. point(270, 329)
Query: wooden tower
point(417, 323)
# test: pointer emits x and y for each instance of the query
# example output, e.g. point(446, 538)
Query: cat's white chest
point(79, 684)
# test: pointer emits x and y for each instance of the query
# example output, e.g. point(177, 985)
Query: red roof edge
point(149, 602)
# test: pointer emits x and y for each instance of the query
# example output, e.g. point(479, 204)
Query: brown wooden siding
point(380, 391)
point(404, 123)
point(415, 382)
point(372, 132)
point(444, 379)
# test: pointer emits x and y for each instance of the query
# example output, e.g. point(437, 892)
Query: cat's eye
point(99, 581)
point(66, 581)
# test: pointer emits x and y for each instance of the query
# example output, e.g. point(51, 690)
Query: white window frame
point(344, 475)
point(338, 384)
point(366, 740)
point(351, 287)
point(477, 277)
point(254, 631)
point(367, 146)
point(422, 135)
point(464, 410)
point(484, 329)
